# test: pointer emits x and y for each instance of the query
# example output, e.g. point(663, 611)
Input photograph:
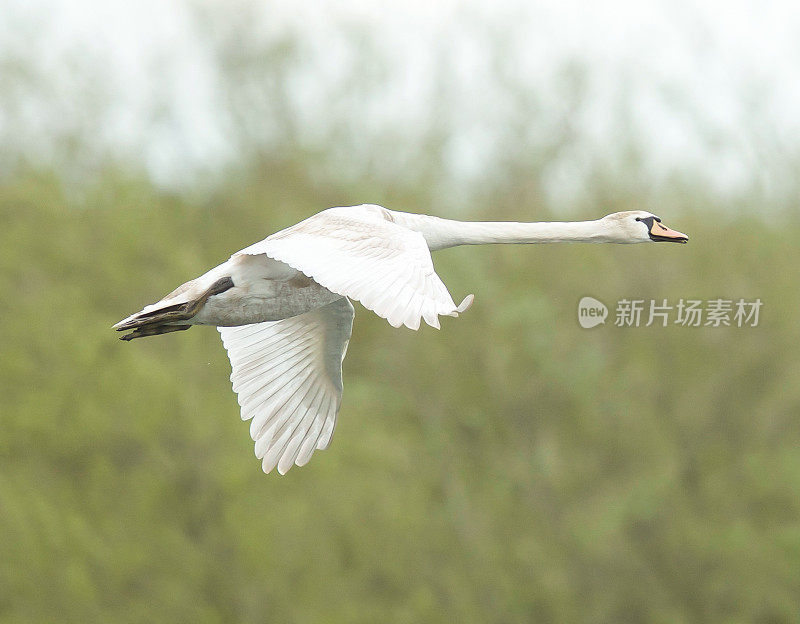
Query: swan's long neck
point(444, 233)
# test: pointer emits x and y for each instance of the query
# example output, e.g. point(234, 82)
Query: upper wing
point(288, 378)
point(357, 253)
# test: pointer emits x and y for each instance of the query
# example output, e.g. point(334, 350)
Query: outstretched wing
point(288, 378)
point(357, 252)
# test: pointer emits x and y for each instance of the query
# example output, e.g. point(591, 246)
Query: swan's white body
point(286, 318)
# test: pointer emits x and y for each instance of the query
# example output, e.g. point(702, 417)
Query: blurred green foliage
point(512, 467)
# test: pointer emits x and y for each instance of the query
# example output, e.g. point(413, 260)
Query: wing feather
point(358, 252)
point(288, 378)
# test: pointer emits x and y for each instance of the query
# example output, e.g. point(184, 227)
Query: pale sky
point(706, 84)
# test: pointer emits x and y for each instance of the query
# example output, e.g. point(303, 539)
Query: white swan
point(283, 305)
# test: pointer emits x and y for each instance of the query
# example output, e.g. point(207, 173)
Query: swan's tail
point(167, 316)
point(152, 322)
point(152, 330)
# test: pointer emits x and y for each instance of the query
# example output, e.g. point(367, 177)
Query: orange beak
point(660, 232)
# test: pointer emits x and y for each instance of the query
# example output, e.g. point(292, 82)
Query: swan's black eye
point(638, 218)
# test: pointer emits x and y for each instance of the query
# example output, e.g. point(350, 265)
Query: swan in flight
point(283, 305)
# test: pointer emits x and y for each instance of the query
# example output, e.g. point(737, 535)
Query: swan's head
point(640, 226)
